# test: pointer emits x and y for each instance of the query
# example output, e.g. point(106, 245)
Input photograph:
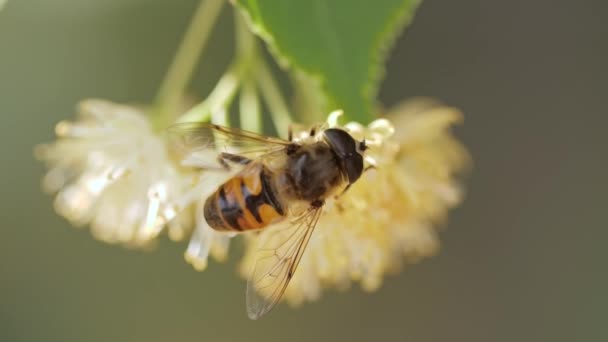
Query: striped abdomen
point(244, 202)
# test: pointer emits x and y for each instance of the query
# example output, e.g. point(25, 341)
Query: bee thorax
point(313, 172)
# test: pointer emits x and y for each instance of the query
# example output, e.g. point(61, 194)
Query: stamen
point(383, 127)
point(117, 173)
point(154, 223)
point(370, 160)
point(65, 129)
point(94, 184)
point(333, 118)
point(150, 227)
point(198, 248)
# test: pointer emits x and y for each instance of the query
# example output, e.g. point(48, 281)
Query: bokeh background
point(523, 259)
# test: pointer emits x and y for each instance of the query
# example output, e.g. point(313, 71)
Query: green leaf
point(342, 43)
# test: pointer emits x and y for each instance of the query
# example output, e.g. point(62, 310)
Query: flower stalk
point(219, 99)
point(250, 75)
point(279, 110)
point(249, 105)
point(249, 108)
point(180, 71)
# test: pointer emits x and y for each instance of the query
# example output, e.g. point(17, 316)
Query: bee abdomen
point(244, 202)
point(214, 216)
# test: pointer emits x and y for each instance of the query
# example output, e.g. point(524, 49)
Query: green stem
point(219, 100)
point(246, 49)
point(273, 98)
point(246, 46)
point(249, 63)
point(249, 108)
point(180, 72)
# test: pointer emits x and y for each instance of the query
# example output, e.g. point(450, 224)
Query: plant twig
point(273, 98)
point(219, 99)
point(249, 108)
point(180, 71)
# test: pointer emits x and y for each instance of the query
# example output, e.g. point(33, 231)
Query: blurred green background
point(523, 259)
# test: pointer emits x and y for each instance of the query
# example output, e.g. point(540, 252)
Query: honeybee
point(278, 183)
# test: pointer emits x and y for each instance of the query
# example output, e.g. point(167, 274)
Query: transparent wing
point(276, 262)
point(197, 136)
point(199, 144)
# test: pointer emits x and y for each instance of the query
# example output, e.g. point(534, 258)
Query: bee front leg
point(343, 191)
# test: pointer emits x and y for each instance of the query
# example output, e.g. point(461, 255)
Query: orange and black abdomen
point(244, 202)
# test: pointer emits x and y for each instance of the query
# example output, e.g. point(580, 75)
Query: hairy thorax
point(312, 173)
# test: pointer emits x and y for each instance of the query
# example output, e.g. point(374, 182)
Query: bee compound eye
point(353, 167)
point(341, 142)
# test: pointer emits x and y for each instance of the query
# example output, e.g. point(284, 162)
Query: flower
point(111, 170)
point(390, 215)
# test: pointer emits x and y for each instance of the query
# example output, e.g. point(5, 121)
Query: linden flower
point(111, 170)
point(390, 215)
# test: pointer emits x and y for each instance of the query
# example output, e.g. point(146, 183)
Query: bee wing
point(276, 262)
point(200, 143)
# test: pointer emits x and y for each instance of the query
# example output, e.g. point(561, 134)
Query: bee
point(278, 183)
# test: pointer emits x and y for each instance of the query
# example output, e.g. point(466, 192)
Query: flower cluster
point(390, 215)
point(111, 170)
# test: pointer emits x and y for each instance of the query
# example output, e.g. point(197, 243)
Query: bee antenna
point(363, 145)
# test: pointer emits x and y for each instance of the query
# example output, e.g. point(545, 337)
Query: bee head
point(348, 151)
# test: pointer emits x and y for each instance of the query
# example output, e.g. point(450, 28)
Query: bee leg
point(343, 191)
point(226, 157)
point(223, 163)
point(369, 167)
point(291, 148)
point(316, 204)
point(313, 131)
